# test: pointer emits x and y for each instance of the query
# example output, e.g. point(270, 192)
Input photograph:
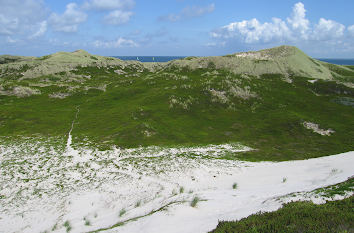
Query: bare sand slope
point(84, 190)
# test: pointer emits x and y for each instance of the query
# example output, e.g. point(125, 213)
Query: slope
point(278, 101)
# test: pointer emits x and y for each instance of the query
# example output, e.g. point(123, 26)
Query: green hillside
point(264, 100)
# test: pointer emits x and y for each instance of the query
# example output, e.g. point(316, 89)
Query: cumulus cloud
point(189, 12)
point(69, 20)
point(108, 5)
point(296, 28)
point(328, 29)
point(351, 30)
point(118, 10)
point(298, 21)
point(17, 17)
point(8, 25)
point(42, 29)
point(251, 31)
point(118, 17)
point(118, 43)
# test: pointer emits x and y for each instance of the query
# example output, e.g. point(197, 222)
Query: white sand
point(43, 188)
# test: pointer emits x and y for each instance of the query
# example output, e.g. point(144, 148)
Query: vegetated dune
point(285, 60)
point(259, 99)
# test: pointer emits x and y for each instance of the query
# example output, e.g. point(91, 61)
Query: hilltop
point(285, 60)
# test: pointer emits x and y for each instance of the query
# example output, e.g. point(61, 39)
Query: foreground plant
point(195, 201)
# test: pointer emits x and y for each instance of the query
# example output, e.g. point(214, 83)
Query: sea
point(170, 58)
point(149, 58)
point(338, 61)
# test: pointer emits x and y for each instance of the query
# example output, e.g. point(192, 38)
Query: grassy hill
point(265, 100)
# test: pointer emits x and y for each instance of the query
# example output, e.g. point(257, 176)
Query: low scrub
point(334, 216)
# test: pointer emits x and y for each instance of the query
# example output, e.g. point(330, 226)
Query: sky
point(321, 28)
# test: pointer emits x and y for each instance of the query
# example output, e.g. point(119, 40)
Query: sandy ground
point(42, 188)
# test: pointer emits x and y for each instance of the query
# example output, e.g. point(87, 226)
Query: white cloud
point(118, 17)
point(214, 44)
point(10, 40)
point(298, 21)
point(118, 10)
point(108, 5)
point(189, 12)
point(42, 29)
point(196, 11)
point(118, 43)
point(296, 29)
point(351, 30)
point(251, 31)
point(170, 17)
point(19, 17)
point(8, 26)
point(69, 20)
point(328, 29)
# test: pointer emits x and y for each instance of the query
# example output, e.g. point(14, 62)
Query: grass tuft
point(122, 212)
point(67, 226)
point(234, 186)
point(55, 227)
point(195, 201)
point(87, 222)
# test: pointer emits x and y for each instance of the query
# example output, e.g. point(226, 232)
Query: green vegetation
point(54, 227)
point(131, 105)
point(195, 201)
point(234, 186)
point(122, 212)
point(67, 226)
point(337, 189)
point(334, 216)
point(87, 222)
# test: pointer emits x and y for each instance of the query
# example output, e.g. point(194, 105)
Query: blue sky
point(323, 29)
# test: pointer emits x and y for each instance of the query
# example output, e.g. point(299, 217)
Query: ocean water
point(338, 61)
point(149, 58)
